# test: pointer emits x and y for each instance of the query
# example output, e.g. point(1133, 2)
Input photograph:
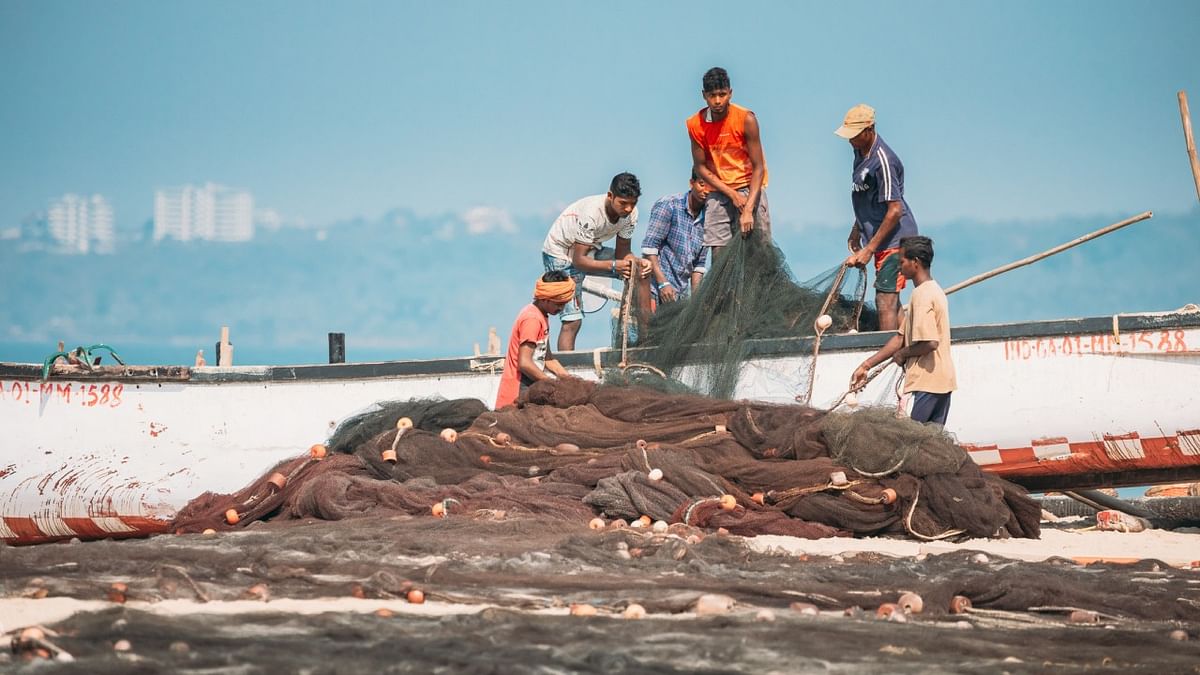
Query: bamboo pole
point(1046, 254)
point(1187, 137)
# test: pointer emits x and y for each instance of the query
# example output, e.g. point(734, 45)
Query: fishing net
point(748, 294)
point(573, 449)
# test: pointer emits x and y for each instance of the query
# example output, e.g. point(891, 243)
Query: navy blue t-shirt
point(878, 178)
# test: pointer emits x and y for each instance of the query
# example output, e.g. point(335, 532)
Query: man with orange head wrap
point(528, 358)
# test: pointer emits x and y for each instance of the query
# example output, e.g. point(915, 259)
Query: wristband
point(664, 284)
point(613, 270)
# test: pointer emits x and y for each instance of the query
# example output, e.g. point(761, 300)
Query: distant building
point(79, 224)
point(210, 212)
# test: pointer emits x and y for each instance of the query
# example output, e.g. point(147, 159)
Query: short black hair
point(554, 276)
point(918, 248)
point(695, 173)
point(716, 78)
point(625, 185)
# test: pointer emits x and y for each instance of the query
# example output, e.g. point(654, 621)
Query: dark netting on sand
point(748, 294)
point(572, 450)
point(503, 587)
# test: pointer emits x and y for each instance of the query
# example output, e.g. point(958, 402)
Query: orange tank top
point(724, 144)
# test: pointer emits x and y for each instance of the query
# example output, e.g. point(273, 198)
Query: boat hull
point(1079, 403)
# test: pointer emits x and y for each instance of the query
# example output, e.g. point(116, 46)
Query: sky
point(1035, 121)
point(327, 111)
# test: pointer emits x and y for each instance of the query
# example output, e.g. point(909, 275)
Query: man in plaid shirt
point(674, 242)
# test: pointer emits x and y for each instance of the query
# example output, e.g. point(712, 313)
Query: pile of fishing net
point(573, 450)
point(748, 296)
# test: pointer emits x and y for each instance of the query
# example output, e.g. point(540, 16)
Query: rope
point(834, 290)
point(908, 523)
point(626, 302)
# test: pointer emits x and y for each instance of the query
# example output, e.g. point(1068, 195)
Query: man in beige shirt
point(922, 344)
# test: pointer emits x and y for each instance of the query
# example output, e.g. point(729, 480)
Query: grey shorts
point(721, 219)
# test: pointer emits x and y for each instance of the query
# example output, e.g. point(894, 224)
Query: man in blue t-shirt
point(881, 216)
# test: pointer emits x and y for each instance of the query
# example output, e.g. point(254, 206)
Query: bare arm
point(882, 235)
point(589, 265)
point(887, 351)
point(697, 277)
point(710, 177)
point(759, 164)
point(529, 368)
point(553, 365)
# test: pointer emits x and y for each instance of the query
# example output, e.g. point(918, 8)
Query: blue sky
point(1035, 121)
point(1015, 110)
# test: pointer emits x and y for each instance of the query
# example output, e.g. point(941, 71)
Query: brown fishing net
point(572, 450)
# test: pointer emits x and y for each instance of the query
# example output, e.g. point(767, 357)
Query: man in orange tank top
point(728, 155)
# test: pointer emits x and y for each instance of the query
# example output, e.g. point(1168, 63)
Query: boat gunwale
point(609, 358)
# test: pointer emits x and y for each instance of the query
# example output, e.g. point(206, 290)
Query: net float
point(823, 322)
point(232, 517)
point(1084, 616)
point(404, 424)
point(278, 480)
point(384, 613)
point(318, 451)
point(486, 459)
point(660, 526)
point(438, 510)
point(960, 604)
point(582, 609)
point(567, 447)
point(257, 592)
point(758, 498)
point(116, 592)
point(720, 428)
point(838, 479)
point(416, 596)
point(122, 646)
point(656, 474)
point(911, 603)
point(503, 438)
point(388, 456)
point(1179, 635)
point(449, 435)
point(850, 400)
point(886, 610)
point(728, 502)
point(634, 611)
point(889, 496)
point(641, 444)
point(596, 523)
point(618, 524)
point(208, 531)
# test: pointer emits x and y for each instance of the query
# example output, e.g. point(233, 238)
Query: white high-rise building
point(79, 224)
point(211, 212)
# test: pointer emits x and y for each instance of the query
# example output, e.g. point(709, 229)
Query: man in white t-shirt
point(575, 245)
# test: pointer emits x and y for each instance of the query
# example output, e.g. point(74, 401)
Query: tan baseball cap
point(857, 118)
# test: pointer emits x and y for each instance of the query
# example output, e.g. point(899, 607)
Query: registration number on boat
point(87, 395)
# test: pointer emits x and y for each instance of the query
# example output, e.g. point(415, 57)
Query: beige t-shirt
point(927, 317)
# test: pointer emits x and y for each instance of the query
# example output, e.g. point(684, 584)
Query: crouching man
point(528, 358)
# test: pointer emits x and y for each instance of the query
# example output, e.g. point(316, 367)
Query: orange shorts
point(888, 278)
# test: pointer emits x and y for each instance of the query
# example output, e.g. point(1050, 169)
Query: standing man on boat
point(529, 358)
point(575, 245)
point(674, 242)
point(922, 344)
point(881, 215)
point(727, 153)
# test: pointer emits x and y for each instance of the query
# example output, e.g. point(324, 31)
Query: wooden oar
point(1046, 254)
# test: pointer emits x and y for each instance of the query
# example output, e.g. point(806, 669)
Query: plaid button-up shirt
point(677, 238)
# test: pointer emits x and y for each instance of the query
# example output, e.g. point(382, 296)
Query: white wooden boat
point(116, 452)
